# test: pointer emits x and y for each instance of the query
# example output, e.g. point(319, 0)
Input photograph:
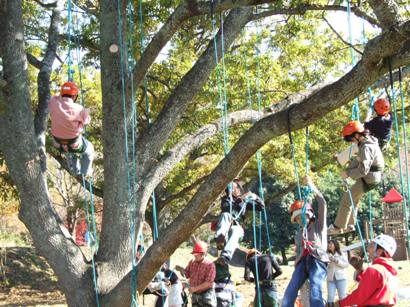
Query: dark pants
point(204, 299)
point(269, 297)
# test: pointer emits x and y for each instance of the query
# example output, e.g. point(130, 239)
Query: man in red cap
point(68, 119)
point(201, 274)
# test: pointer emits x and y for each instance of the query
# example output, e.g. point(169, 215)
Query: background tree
point(183, 115)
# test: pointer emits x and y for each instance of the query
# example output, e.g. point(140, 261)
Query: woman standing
point(336, 277)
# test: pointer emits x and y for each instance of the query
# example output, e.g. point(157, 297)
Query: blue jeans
point(340, 285)
point(234, 232)
point(80, 163)
point(308, 268)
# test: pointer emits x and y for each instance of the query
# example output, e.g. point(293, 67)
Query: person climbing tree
point(381, 125)
point(267, 269)
point(233, 210)
point(67, 123)
point(366, 168)
point(311, 245)
point(378, 282)
point(201, 274)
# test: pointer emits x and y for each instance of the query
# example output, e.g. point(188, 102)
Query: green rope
point(262, 216)
point(89, 205)
point(354, 212)
point(131, 210)
point(355, 108)
point(397, 135)
point(258, 292)
point(70, 71)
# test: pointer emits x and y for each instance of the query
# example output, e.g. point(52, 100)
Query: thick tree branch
point(19, 146)
point(43, 81)
point(179, 151)
point(153, 139)
point(33, 61)
point(386, 11)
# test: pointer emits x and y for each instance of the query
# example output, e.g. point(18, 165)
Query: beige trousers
point(345, 215)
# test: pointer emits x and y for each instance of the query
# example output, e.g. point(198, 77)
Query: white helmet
point(388, 243)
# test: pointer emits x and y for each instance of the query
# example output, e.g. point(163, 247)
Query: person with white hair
point(378, 283)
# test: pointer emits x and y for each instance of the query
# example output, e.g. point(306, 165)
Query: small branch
point(96, 190)
point(33, 60)
point(340, 37)
point(46, 5)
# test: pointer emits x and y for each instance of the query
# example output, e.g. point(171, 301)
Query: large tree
point(22, 131)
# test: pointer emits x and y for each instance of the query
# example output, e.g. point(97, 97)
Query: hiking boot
point(220, 242)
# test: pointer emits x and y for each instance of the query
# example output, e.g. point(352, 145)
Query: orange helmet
point(382, 106)
point(352, 127)
point(200, 247)
point(69, 88)
point(297, 207)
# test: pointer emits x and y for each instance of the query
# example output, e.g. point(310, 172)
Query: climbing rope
point(397, 135)
point(88, 204)
point(130, 198)
point(258, 292)
point(355, 116)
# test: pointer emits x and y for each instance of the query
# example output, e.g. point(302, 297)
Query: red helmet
point(382, 106)
point(69, 88)
point(200, 247)
point(353, 126)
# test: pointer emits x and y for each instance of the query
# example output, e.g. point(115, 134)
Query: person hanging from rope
point(233, 209)
point(311, 245)
point(379, 126)
point(68, 119)
point(201, 273)
point(378, 283)
point(366, 168)
point(268, 269)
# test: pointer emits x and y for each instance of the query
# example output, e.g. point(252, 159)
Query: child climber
point(379, 126)
point(233, 209)
point(366, 168)
point(67, 122)
point(311, 245)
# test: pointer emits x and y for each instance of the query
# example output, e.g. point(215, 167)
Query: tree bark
point(18, 143)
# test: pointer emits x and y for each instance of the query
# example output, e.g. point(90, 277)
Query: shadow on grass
point(24, 268)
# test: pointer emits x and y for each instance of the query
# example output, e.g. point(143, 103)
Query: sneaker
point(220, 242)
